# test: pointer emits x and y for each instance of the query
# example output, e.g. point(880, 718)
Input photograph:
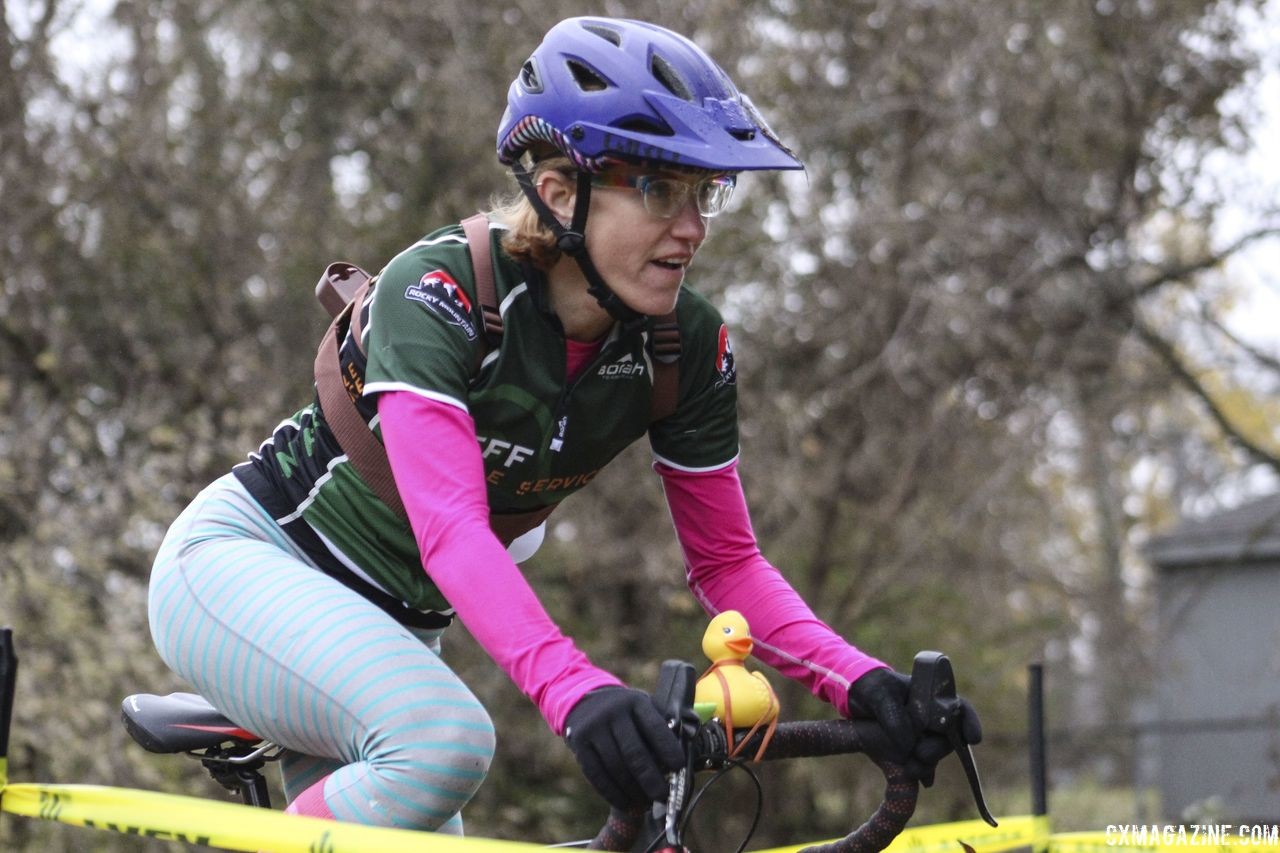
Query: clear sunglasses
point(664, 197)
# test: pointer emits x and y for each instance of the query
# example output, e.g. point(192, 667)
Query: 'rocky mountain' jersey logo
point(441, 294)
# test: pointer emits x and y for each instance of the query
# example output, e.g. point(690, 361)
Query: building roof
point(1246, 534)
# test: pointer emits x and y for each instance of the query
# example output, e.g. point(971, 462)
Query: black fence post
point(1036, 740)
point(8, 681)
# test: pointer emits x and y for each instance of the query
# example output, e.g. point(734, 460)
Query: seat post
point(253, 790)
point(244, 779)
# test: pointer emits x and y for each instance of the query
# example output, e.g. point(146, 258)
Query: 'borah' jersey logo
point(441, 294)
point(724, 360)
point(623, 368)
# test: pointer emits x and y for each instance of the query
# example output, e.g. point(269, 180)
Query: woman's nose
point(688, 224)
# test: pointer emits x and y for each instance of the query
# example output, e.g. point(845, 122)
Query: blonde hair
point(527, 238)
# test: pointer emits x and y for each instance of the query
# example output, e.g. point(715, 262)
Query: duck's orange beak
point(740, 645)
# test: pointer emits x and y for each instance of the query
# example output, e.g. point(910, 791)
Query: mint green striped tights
point(378, 729)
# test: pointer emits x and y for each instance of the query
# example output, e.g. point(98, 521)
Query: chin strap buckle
point(570, 242)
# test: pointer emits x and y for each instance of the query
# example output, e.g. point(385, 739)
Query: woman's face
point(640, 256)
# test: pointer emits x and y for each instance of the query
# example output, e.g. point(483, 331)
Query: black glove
point(881, 695)
point(624, 746)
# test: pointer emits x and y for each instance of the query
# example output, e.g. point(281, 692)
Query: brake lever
point(674, 697)
point(934, 707)
point(674, 700)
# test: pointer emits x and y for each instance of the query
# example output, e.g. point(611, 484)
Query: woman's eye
point(662, 190)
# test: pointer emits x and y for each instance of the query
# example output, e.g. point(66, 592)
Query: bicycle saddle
point(179, 722)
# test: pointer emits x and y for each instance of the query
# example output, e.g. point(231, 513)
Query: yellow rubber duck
point(741, 698)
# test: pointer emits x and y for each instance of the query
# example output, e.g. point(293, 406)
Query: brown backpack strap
point(365, 453)
point(338, 393)
point(338, 286)
point(477, 230)
point(665, 344)
point(337, 401)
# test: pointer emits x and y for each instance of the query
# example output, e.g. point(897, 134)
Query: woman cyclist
point(309, 610)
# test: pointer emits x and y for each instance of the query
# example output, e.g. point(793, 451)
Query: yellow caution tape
point(229, 826)
point(1164, 838)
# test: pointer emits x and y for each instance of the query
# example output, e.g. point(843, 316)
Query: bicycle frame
point(161, 815)
point(234, 757)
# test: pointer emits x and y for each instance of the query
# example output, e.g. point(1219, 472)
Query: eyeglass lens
point(664, 197)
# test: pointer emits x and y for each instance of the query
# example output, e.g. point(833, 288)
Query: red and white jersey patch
point(441, 294)
point(725, 367)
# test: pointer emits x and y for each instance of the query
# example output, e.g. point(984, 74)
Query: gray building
point(1217, 699)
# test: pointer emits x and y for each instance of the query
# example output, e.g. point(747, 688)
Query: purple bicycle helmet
point(602, 89)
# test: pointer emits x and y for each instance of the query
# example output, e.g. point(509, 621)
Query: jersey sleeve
point(442, 481)
point(702, 434)
point(726, 571)
point(423, 332)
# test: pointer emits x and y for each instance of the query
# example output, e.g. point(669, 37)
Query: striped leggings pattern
point(365, 706)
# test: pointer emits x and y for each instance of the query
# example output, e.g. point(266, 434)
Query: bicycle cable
point(693, 803)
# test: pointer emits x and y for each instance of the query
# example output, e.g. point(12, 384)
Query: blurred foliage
point(980, 339)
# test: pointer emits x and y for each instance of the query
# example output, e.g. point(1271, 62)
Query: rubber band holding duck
point(741, 698)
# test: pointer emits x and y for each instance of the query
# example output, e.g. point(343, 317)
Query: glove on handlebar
point(932, 747)
point(623, 745)
point(882, 695)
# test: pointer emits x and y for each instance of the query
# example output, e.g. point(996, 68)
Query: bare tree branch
point(1182, 272)
point(1265, 359)
point(1167, 353)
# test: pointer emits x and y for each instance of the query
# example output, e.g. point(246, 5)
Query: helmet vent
point(587, 78)
point(609, 34)
point(644, 125)
point(530, 80)
point(669, 77)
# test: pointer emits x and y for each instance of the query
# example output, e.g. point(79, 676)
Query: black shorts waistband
point(302, 535)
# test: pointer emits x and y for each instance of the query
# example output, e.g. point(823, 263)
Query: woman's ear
point(558, 192)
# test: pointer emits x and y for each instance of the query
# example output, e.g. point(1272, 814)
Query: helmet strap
point(572, 241)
